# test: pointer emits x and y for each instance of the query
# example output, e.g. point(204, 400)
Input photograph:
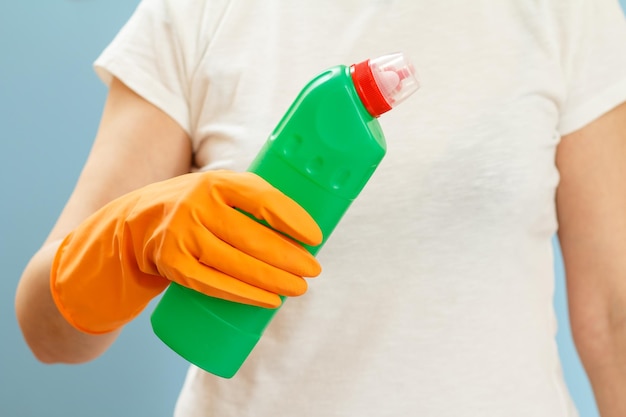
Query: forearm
point(50, 337)
point(130, 126)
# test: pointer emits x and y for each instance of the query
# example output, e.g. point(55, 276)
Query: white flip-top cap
point(384, 82)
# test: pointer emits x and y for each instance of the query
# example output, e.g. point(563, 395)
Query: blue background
point(50, 103)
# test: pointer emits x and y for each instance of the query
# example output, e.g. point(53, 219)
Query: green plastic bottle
point(321, 154)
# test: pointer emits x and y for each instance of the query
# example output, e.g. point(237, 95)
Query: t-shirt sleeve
point(594, 63)
point(152, 57)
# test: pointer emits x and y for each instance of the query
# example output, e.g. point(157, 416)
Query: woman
point(436, 295)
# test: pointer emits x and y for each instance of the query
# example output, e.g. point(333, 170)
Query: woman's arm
point(136, 144)
point(591, 204)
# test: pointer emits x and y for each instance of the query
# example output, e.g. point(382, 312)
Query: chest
point(481, 132)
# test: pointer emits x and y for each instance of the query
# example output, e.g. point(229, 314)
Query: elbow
point(49, 336)
point(54, 342)
point(590, 341)
point(48, 349)
point(598, 339)
point(43, 351)
point(51, 357)
point(52, 347)
point(45, 356)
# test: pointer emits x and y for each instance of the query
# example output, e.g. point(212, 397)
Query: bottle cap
point(384, 82)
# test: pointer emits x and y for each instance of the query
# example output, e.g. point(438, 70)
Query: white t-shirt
point(436, 295)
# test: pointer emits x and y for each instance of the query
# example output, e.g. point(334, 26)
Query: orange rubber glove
point(186, 230)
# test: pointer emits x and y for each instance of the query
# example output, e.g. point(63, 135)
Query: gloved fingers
point(252, 194)
point(264, 244)
point(214, 283)
point(233, 262)
point(183, 254)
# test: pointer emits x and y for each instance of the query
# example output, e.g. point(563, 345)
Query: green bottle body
point(321, 154)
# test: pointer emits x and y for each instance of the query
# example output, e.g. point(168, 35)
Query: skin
point(137, 144)
point(591, 203)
